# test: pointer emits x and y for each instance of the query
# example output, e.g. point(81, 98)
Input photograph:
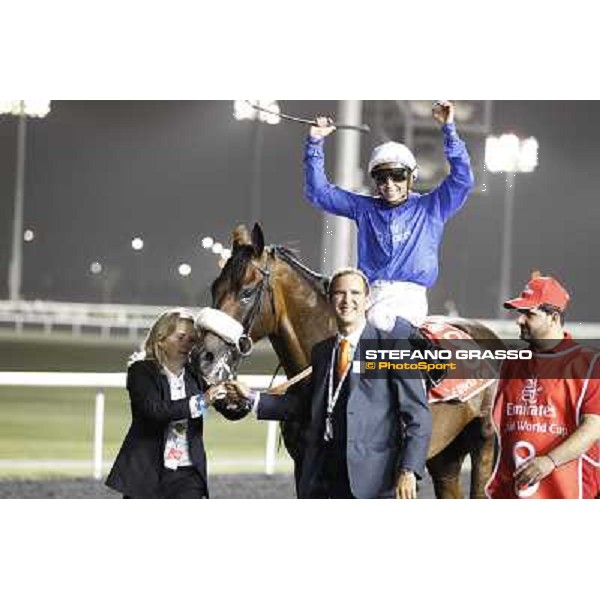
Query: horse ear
point(258, 240)
point(240, 237)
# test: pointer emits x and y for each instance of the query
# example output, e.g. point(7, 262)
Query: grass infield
point(57, 424)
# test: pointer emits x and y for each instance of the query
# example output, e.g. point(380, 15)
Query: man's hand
point(406, 487)
point(214, 393)
point(322, 129)
point(533, 471)
point(237, 389)
point(229, 395)
point(236, 396)
point(443, 112)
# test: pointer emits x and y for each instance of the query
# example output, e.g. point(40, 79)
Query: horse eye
point(246, 294)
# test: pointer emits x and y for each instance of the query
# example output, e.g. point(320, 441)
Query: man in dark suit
point(366, 438)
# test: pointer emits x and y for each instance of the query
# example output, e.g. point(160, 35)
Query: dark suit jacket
point(388, 424)
point(136, 470)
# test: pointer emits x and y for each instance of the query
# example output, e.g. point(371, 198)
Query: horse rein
point(264, 286)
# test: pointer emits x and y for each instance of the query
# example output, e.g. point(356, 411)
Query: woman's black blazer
point(136, 470)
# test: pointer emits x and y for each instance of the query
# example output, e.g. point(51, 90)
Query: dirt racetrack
point(221, 486)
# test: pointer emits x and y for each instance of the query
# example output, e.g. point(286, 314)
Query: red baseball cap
point(541, 290)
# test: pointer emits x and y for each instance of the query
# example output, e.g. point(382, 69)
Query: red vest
point(537, 406)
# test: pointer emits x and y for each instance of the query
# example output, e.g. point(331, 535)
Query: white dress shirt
point(176, 446)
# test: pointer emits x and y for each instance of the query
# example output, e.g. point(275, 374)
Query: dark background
point(101, 172)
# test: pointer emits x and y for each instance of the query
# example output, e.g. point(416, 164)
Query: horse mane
point(318, 281)
point(234, 269)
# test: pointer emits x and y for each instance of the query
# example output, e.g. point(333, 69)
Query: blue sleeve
point(449, 197)
point(317, 188)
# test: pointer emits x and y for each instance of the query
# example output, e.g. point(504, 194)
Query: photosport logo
point(466, 359)
point(413, 358)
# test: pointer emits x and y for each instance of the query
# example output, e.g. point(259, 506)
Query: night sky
point(100, 173)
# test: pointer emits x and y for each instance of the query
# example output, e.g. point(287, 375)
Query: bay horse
point(272, 294)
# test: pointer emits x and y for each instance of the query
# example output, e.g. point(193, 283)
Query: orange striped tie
point(343, 357)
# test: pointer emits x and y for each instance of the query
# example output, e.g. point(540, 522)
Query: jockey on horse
point(399, 231)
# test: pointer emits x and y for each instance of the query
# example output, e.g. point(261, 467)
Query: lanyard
point(333, 395)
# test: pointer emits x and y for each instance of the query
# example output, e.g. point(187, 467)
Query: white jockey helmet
point(396, 154)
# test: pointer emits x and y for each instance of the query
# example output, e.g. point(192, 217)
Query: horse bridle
point(244, 344)
point(263, 287)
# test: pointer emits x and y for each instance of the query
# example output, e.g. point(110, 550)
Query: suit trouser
point(332, 480)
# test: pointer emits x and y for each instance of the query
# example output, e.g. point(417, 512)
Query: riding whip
point(360, 128)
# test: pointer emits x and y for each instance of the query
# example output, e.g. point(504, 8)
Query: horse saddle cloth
point(463, 383)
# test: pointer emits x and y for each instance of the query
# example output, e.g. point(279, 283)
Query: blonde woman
point(163, 454)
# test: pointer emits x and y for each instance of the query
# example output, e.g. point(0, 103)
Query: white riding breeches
point(391, 299)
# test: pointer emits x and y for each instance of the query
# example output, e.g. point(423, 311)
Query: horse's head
point(244, 292)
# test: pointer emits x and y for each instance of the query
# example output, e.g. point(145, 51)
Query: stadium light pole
point(243, 111)
point(338, 243)
point(22, 109)
point(508, 154)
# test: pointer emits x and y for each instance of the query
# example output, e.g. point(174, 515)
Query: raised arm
point(317, 189)
point(450, 196)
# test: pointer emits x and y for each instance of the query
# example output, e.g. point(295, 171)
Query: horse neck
point(304, 318)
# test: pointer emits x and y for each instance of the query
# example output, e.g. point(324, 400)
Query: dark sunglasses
point(397, 175)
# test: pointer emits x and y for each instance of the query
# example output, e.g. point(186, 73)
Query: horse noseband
point(244, 345)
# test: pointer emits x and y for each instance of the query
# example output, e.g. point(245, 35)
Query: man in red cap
point(546, 412)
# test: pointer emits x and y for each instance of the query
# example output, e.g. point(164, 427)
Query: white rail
point(105, 320)
point(102, 381)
